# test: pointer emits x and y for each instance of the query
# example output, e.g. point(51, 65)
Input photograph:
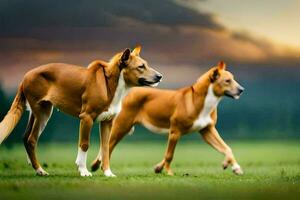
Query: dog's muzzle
point(154, 83)
point(235, 95)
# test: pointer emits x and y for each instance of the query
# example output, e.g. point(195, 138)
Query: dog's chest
point(204, 117)
point(116, 104)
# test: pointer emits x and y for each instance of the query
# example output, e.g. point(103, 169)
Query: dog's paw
point(158, 168)
point(95, 165)
point(225, 165)
point(41, 172)
point(108, 173)
point(236, 169)
point(84, 172)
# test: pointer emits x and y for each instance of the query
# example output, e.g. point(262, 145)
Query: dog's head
point(224, 83)
point(136, 70)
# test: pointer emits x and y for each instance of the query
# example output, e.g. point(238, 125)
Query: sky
point(184, 37)
point(275, 20)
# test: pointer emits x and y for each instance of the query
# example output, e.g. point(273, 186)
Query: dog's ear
point(125, 56)
point(214, 75)
point(136, 51)
point(221, 65)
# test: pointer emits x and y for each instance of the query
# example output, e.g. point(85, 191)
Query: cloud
point(38, 32)
point(18, 16)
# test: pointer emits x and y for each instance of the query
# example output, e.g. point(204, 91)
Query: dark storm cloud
point(173, 35)
point(18, 17)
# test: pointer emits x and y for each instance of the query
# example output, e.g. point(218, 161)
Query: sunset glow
point(274, 20)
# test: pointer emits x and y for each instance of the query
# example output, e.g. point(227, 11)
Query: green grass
point(272, 170)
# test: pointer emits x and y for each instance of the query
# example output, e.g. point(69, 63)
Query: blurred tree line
point(269, 109)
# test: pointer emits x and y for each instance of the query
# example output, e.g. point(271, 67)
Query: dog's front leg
point(212, 137)
point(104, 132)
point(174, 135)
point(86, 123)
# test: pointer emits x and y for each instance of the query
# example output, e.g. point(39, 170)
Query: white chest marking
point(210, 103)
point(116, 104)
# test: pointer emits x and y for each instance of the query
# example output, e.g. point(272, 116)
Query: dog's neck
point(203, 94)
point(117, 90)
point(112, 72)
point(200, 88)
point(116, 83)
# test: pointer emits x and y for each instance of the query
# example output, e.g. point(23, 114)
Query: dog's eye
point(228, 81)
point(142, 66)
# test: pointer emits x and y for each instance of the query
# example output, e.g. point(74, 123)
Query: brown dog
point(178, 112)
point(91, 94)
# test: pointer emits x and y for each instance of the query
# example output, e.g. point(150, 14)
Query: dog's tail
point(14, 115)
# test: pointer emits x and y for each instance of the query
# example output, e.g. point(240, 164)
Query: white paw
point(41, 172)
point(84, 172)
point(236, 168)
point(81, 163)
point(108, 173)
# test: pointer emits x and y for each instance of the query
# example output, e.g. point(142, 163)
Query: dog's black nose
point(241, 89)
point(158, 77)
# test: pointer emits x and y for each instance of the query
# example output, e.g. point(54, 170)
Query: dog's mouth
point(144, 82)
point(231, 95)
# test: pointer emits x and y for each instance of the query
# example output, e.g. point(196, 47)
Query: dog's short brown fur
point(177, 113)
point(91, 94)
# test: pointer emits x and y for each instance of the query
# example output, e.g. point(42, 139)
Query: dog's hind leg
point(27, 133)
point(212, 137)
point(174, 136)
point(42, 113)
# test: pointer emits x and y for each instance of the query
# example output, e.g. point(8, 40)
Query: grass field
point(272, 171)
